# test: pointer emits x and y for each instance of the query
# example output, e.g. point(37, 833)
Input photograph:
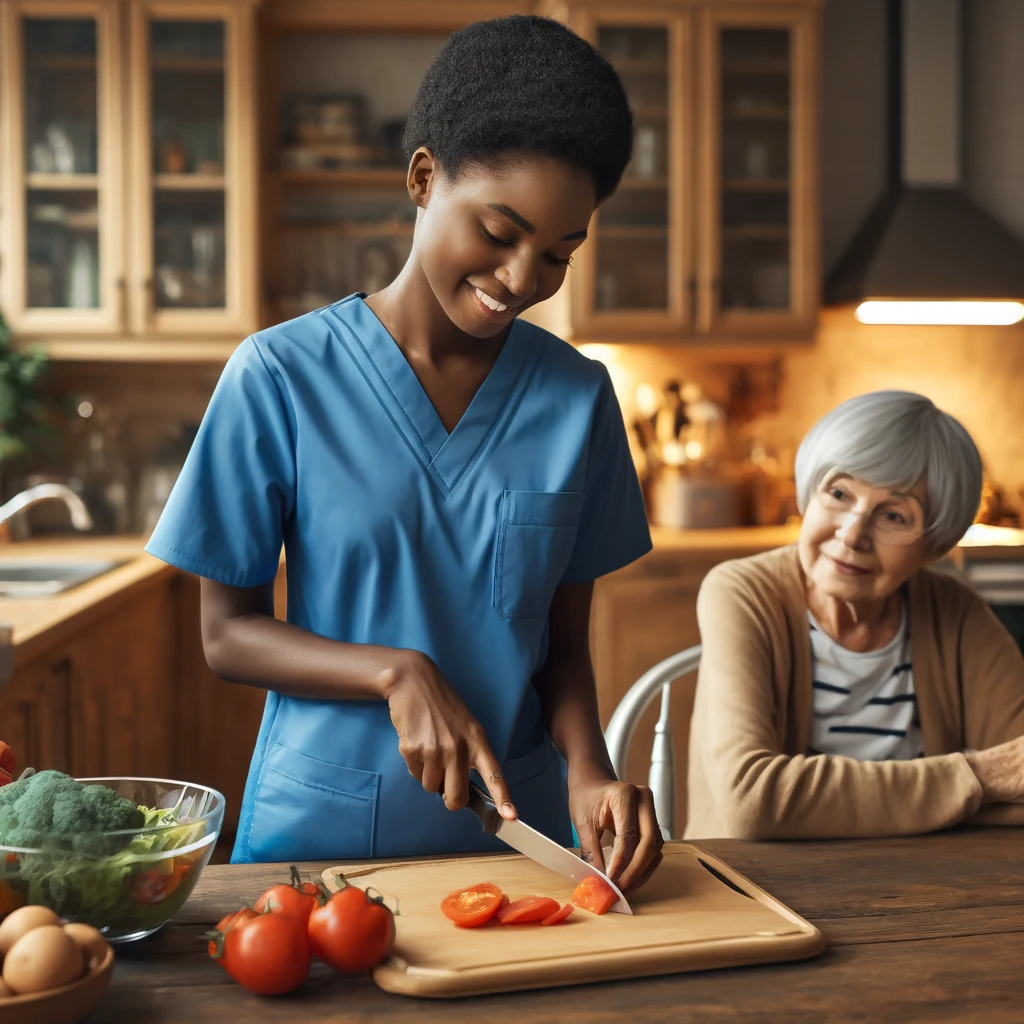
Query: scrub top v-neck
point(320, 437)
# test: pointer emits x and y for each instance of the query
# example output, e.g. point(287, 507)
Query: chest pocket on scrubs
point(536, 534)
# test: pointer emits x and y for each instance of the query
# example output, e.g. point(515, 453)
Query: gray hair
point(894, 439)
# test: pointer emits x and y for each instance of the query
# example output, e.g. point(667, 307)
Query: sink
point(43, 577)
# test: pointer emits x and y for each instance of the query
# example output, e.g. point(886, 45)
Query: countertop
point(980, 542)
point(923, 928)
point(38, 623)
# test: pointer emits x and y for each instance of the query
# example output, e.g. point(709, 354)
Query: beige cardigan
point(749, 776)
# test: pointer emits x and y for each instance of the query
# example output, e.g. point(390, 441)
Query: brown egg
point(42, 959)
point(89, 941)
point(5, 991)
point(23, 920)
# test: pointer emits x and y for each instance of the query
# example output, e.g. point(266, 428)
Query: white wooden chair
point(625, 718)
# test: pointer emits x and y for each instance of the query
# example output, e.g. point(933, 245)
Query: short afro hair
point(523, 85)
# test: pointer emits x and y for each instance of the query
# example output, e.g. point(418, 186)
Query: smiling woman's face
point(861, 543)
point(492, 243)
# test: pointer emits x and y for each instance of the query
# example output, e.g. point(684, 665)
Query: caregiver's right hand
point(438, 737)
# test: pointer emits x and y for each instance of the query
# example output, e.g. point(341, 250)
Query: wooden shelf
point(772, 116)
point(61, 62)
point(643, 185)
point(82, 229)
point(346, 176)
point(354, 229)
point(200, 64)
point(650, 113)
point(756, 66)
point(756, 184)
point(63, 182)
point(640, 65)
point(632, 233)
point(756, 232)
point(190, 182)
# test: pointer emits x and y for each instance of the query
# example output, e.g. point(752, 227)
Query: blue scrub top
point(320, 437)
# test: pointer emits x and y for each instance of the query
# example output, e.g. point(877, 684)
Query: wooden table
point(923, 929)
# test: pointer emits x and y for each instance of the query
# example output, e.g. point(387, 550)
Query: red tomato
point(225, 924)
point(527, 910)
point(352, 931)
point(474, 906)
point(594, 894)
point(157, 884)
point(504, 901)
point(559, 916)
point(268, 954)
point(293, 899)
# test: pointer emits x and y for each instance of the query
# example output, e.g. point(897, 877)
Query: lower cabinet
point(642, 614)
point(130, 694)
point(217, 722)
point(100, 703)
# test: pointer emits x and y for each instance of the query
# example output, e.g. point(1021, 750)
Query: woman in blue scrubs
point(447, 481)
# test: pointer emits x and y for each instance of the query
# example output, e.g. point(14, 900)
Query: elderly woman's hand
point(1000, 770)
point(601, 804)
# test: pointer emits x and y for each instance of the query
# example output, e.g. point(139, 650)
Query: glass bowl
point(131, 882)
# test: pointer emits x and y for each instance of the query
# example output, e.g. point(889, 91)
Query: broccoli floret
point(50, 810)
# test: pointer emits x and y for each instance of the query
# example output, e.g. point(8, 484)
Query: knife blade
point(535, 845)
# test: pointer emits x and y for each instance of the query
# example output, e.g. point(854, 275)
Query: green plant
point(24, 413)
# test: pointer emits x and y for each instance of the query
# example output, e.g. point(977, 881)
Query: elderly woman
point(845, 688)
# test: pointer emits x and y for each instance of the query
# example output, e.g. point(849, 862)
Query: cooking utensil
point(533, 844)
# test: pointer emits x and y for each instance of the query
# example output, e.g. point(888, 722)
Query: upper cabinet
point(713, 234)
point(129, 164)
point(62, 216)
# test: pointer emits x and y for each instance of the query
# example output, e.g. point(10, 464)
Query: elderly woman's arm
point(763, 793)
point(992, 677)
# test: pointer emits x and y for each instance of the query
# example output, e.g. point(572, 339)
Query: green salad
point(93, 855)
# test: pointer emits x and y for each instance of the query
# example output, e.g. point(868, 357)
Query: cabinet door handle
point(60, 707)
point(121, 287)
point(146, 285)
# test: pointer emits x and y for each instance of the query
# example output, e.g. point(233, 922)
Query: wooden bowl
point(66, 1005)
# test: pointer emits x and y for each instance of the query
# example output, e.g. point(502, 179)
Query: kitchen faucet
point(80, 518)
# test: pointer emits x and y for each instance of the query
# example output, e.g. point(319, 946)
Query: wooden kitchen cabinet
point(642, 614)
point(648, 611)
point(35, 719)
point(100, 702)
point(713, 233)
point(129, 694)
point(216, 722)
point(128, 176)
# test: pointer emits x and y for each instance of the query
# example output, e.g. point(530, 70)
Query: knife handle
point(483, 807)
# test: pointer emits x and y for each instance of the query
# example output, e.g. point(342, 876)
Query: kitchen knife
point(533, 844)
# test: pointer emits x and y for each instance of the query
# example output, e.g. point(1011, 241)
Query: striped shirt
point(864, 703)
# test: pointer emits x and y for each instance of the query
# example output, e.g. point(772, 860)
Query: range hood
point(927, 254)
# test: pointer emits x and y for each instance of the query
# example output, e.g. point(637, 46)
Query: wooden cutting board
point(696, 913)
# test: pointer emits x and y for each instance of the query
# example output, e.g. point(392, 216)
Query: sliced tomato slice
point(505, 901)
point(528, 910)
point(560, 916)
point(594, 894)
point(473, 906)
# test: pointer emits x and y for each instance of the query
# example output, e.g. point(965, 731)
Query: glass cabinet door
point(635, 270)
point(62, 180)
point(758, 248)
point(194, 172)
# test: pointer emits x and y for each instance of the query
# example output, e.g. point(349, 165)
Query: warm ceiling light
point(980, 314)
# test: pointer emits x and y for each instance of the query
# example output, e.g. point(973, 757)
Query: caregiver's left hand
point(627, 810)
